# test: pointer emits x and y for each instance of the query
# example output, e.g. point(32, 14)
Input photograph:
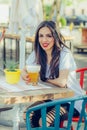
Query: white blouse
point(66, 62)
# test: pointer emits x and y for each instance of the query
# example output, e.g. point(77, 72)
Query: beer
point(33, 71)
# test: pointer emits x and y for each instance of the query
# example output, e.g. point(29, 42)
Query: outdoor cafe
point(15, 93)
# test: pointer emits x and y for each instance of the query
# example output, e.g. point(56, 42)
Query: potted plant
point(12, 72)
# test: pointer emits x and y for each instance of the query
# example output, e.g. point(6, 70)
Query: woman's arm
point(61, 81)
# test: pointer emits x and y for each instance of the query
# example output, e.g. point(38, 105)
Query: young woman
point(57, 67)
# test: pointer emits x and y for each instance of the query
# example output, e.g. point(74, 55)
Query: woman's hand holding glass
point(31, 74)
point(25, 76)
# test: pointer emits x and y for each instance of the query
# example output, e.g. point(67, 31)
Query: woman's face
point(46, 39)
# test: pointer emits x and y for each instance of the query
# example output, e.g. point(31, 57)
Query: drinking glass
point(33, 71)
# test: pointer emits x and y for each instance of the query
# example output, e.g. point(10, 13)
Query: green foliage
point(47, 10)
point(63, 21)
point(4, 1)
point(81, 0)
point(70, 2)
point(11, 65)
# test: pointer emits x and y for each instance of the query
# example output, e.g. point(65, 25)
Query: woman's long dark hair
point(41, 56)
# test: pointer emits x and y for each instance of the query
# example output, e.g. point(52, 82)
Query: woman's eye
point(49, 35)
point(40, 35)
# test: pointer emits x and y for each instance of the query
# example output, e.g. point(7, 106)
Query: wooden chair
point(57, 103)
point(81, 72)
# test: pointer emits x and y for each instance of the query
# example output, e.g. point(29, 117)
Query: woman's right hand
point(25, 76)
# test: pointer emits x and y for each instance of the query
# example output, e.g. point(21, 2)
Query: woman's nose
point(44, 38)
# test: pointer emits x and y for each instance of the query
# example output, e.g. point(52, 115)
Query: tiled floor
point(9, 128)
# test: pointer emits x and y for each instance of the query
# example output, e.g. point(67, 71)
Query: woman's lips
point(45, 44)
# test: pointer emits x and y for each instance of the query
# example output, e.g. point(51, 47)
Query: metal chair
point(81, 72)
point(57, 103)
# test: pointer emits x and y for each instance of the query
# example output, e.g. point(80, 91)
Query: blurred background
point(19, 18)
point(71, 11)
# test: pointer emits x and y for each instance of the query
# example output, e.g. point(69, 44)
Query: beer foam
point(33, 68)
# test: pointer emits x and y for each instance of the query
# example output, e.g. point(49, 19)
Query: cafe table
point(21, 93)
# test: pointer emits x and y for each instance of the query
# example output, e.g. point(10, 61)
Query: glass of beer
point(33, 71)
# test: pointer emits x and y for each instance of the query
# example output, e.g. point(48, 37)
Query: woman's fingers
point(27, 80)
point(25, 76)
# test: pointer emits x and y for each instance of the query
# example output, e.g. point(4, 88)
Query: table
point(29, 96)
point(80, 48)
point(34, 95)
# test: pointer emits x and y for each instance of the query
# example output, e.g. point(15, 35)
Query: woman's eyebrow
point(45, 34)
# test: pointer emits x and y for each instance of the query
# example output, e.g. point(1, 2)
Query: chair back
point(82, 74)
point(57, 103)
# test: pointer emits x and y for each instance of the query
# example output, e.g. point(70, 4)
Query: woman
point(57, 66)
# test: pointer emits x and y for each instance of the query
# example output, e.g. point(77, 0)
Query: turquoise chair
point(57, 104)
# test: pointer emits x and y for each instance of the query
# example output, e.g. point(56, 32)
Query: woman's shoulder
point(67, 59)
point(31, 55)
point(66, 53)
point(65, 50)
